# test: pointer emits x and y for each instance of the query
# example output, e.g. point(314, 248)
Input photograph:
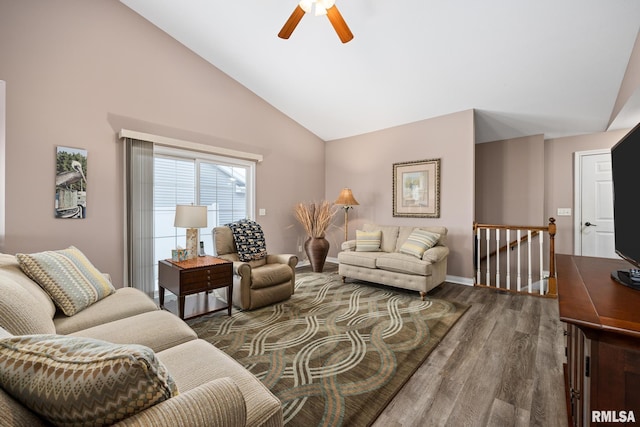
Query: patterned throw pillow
point(368, 241)
point(418, 242)
point(249, 240)
point(71, 281)
point(76, 381)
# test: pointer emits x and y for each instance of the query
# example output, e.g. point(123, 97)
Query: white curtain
point(139, 181)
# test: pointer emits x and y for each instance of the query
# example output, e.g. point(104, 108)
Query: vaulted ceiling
point(527, 66)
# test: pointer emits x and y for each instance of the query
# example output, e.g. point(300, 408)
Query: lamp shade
point(346, 198)
point(190, 216)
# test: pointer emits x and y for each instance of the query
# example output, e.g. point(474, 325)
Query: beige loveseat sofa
point(394, 264)
point(212, 388)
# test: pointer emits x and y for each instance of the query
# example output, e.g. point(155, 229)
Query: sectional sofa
point(117, 360)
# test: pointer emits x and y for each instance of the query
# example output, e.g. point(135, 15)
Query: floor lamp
point(347, 201)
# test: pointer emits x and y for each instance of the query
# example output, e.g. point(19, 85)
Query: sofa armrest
point(242, 269)
point(216, 403)
point(349, 245)
point(290, 259)
point(435, 254)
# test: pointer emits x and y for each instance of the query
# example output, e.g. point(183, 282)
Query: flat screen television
point(625, 168)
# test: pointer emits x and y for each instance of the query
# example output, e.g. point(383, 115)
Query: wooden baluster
point(518, 269)
point(529, 275)
point(508, 276)
point(488, 236)
point(478, 247)
point(497, 258)
point(541, 234)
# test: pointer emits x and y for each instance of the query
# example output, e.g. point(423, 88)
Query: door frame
point(577, 192)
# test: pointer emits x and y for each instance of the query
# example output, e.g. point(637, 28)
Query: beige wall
point(559, 183)
point(78, 71)
point(630, 82)
point(365, 163)
point(510, 182)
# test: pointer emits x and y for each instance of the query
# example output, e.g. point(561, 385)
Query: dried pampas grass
point(315, 217)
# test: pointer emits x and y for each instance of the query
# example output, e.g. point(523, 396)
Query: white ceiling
point(551, 67)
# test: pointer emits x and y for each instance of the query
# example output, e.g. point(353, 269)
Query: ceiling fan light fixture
point(321, 7)
point(306, 5)
point(327, 4)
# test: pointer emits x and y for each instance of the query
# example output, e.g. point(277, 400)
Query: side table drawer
point(204, 279)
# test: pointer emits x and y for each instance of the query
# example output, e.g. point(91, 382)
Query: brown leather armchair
point(260, 282)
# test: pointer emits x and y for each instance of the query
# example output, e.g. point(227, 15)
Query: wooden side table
point(195, 276)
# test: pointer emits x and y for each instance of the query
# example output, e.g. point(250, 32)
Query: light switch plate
point(262, 212)
point(564, 211)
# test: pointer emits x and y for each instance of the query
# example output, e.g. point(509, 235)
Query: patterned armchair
point(259, 278)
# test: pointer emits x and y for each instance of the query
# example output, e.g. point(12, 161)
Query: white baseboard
point(306, 262)
point(467, 281)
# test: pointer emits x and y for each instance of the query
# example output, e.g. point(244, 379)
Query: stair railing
point(509, 261)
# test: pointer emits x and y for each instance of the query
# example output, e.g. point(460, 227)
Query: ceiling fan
point(321, 7)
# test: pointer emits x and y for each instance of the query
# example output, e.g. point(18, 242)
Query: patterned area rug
point(335, 354)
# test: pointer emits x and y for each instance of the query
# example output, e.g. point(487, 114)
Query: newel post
point(553, 287)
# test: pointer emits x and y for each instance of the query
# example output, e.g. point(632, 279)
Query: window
point(224, 185)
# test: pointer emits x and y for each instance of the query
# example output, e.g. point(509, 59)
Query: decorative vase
point(317, 249)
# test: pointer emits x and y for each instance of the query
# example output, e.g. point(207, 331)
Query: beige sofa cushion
point(125, 302)
point(81, 381)
point(389, 235)
point(20, 311)
point(158, 330)
point(223, 241)
point(10, 268)
point(403, 263)
point(15, 414)
point(359, 259)
point(206, 363)
point(269, 275)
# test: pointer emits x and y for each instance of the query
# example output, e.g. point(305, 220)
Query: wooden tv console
point(602, 374)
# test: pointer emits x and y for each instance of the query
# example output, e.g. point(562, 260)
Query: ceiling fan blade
point(339, 24)
point(291, 23)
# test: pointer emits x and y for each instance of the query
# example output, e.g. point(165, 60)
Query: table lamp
point(192, 218)
point(347, 201)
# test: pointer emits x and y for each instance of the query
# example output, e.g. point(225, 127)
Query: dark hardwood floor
point(500, 365)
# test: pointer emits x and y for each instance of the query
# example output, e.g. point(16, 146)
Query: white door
point(595, 226)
